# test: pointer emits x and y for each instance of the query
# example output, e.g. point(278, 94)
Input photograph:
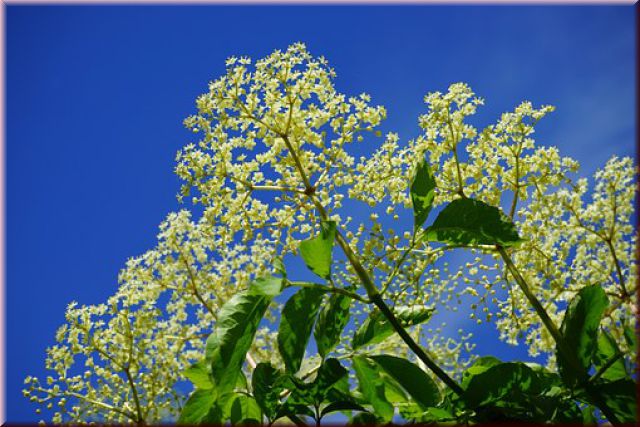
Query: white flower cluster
point(272, 159)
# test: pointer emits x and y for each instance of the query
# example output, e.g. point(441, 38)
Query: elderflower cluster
point(274, 155)
point(120, 361)
point(574, 236)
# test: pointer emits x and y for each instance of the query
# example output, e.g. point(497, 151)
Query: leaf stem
point(609, 363)
point(384, 308)
point(369, 286)
point(332, 289)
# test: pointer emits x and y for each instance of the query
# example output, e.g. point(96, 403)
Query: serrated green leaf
point(200, 375)
point(268, 286)
point(413, 379)
point(410, 315)
point(316, 252)
point(244, 410)
point(340, 406)
point(580, 331)
point(233, 334)
point(197, 407)
point(422, 193)
point(504, 381)
point(479, 366)
point(608, 349)
point(376, 327)
point(267, 383)
point(372, 387)
point(332, 319)
point(630, 336)
point(471, 222)
point(298, 316)
point(330, 385)
point(278, 266)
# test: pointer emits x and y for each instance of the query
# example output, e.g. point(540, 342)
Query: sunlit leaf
point(316, 252)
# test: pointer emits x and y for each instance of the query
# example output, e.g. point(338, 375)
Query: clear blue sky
point(96, 97)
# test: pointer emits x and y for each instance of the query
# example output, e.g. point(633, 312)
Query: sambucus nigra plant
point(275, 175)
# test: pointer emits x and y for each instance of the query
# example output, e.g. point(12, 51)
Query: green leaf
point(511, 380)
point(332, 319)
point(267, 383)
point(278, 266)
point(364, 418)
point(422, 193)
point(234, 331)
point(200, 375)
point(588, 416)
point(471, 222)
point(244, 410)
point(372, 387)
point(376, 327)
point(340, 406)
point(630, 337)
point(197, 406)
point(316, 252)
point(478, 367)
point(330, 385)
point(607, 350)
point(413, 379)
point(409, 315)
point(268, 286)
point(298, 317)
point(580, 331)
point(621, 397)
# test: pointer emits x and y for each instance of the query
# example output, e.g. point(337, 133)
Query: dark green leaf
point(607, 351)
point(197, 407)
point(332, 319)
point(298, 317)
point(471, 222)
point(340, 406)
point(422, 193)
point(234, 331)
point(376, 327)
point(621, 397)
point(292, 410)
point(630, 336)
point(364, 418)
point(413, 379)
point(316, 252)
point(267, 383)
point(393, 391)
point(506, 380)
point(580, 331)
point(478, 367)
point(330, 385)
point(245, 410)
point(200, 374)
point(372, 387)
point(220, 410)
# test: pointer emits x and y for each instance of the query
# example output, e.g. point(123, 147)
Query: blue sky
point(96, 97)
